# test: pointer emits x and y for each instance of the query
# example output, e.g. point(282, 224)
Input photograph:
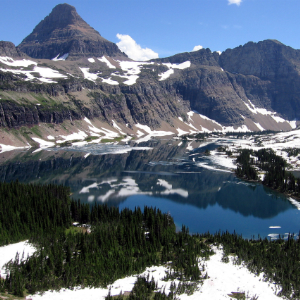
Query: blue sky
point(167, 27)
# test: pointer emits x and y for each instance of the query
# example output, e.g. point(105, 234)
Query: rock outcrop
point(9, 49)
point(65, 34)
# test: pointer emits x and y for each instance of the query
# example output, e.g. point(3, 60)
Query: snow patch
point(16, 63)
point(259, 126)
point(9, 252)
point(293, 124)
point(131, 69)
point(181, 66)
point(88, 75)
point(48, 73)
point(44, 73)
point(181, 132)
point(107, 62)
point(80, 135)
point(117, 127)
point(263, 111)
point(278, 119)
point(58, 57)
point(110, 81)
point(171, 67)
point(43, 143)
point(165, 75)
point(242, 128)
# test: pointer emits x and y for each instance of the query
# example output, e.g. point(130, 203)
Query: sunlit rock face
point(75, 74)
point(64, 34)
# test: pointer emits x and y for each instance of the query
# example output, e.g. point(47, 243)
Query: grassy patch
point(117, 139)
point(7, 296)
point(36, 131)
point(75, 230)
point(91, 138)
point(107, 140)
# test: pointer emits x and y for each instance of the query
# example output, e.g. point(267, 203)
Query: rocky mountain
point(64, 34)
point(96, 89)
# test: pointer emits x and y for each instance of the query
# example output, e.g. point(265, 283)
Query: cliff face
point(256, 85)
point(148, 104)
point(276, 70)
point(64, 32)
point(219, 87)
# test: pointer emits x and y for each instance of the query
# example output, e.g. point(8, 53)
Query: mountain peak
point(63, 17)
point(64, 31)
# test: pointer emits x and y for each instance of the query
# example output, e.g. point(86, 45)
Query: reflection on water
point(163, 174)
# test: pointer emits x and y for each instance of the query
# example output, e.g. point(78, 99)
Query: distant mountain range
point(65, 77)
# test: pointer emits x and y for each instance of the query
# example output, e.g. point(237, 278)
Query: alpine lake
point(172, 175)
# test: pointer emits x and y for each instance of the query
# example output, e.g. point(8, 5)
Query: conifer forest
point(114, 244)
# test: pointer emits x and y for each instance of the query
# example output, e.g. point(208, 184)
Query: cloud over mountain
point(134, 51)
point(196, 48)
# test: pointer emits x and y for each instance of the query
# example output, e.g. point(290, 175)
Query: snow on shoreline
point(224, 278)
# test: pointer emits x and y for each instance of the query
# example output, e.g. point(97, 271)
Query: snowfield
point(171, 67)
point(223, 279)
point(9, 252)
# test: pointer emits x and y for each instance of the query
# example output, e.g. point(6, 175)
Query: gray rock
point(64, 31)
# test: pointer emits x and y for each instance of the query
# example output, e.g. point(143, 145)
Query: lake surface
point(173, 176)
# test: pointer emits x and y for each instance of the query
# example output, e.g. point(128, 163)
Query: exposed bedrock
point(217, 86)
point(63, 31)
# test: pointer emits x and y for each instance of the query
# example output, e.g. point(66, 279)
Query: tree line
point(276, 177)
point(120, 242)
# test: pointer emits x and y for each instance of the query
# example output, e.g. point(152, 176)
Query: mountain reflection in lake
point(160, 173)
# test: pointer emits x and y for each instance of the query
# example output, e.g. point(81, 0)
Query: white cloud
point(134, 51)
point(196, 48)
point(237, 2)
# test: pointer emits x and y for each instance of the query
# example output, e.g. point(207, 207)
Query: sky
point(160, 28)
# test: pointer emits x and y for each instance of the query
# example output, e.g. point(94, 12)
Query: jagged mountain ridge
point(253, 87)
point(64, 32)
point(203, 86)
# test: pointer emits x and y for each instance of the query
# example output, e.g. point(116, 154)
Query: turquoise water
point(168, 177)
